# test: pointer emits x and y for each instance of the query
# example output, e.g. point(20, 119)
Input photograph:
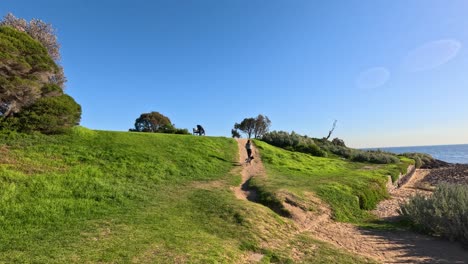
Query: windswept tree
point(25, 69)
point(256, 127)
point(38, 30)
point(29, 74)
point(45, 34)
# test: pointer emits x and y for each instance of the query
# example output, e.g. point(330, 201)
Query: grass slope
point(119, 197)
point(350, 188)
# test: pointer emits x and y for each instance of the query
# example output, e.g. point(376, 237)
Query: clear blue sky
point(392, 72)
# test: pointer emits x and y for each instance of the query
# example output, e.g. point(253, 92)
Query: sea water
point(448, 153)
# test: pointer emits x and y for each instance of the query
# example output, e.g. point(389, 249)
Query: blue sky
point(393, 73)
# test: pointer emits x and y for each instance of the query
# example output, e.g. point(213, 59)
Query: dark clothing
point(249, 149)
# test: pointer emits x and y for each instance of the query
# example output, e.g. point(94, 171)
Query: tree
point(25, 68)
point(38, 30)
point(235, 133)
point(262, 125)
point(331, 130)
point(45, 34)
point(31, 81)
point(254, 126)
point(153, 122)
point(247, 126)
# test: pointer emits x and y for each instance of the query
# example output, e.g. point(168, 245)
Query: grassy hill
point(119, 197)
point(351, 188)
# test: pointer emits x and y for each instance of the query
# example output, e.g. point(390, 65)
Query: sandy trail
point(255, 168)
point(395, 246)
point(382, 246)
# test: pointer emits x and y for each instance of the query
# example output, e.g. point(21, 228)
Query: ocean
point(447, 153)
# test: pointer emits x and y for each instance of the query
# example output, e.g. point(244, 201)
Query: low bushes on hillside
point(374, 156)
point(445, 213)
point(420, 159)
point(294, 142)
point(48, 115)
point(338, 147)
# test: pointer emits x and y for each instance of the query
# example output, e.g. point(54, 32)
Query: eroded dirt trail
point(382, 246)
point(254, 168)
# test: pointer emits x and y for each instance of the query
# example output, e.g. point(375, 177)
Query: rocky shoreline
point(451, 173)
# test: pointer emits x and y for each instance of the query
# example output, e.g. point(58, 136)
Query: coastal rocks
point(457, 173)
point(434, 164)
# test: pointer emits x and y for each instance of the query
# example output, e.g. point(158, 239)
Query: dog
point(249, 159)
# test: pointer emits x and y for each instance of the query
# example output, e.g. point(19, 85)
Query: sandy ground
point(388, 209)
point(382, 246)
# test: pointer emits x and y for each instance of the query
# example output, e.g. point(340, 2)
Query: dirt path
point(388, 209)
point(254, 168)
point(382, 246)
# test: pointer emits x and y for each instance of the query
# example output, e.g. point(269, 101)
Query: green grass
point(351, 188)
point(119, 197)
point(53, 187)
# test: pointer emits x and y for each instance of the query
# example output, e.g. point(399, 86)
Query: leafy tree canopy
point(251, 126)
point(25, 70)
point(31, 80)
point(153, 122)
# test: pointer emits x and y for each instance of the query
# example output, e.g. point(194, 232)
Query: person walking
point(248, 147)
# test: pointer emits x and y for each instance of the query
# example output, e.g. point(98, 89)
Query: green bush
point(294, 142)
point(181, 131)
point(445, 213)
point(337, 147)
point(374, 156)
point(49, 115)
point(420, 158)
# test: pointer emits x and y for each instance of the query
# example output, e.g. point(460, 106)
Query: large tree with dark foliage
point(256, 127)
point(152, 122)
point(30, 73)
point(25, 69)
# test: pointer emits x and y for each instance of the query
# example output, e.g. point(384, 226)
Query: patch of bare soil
point(388, 209)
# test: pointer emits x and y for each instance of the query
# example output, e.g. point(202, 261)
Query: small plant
point(445, 213)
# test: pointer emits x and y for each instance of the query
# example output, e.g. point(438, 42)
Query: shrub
point(372, 156)
point(445, 213)
point(338, 142)
point(49, 115)
point(341, 151)
point(293, 142)
point(181, 131)
point(420, 159)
